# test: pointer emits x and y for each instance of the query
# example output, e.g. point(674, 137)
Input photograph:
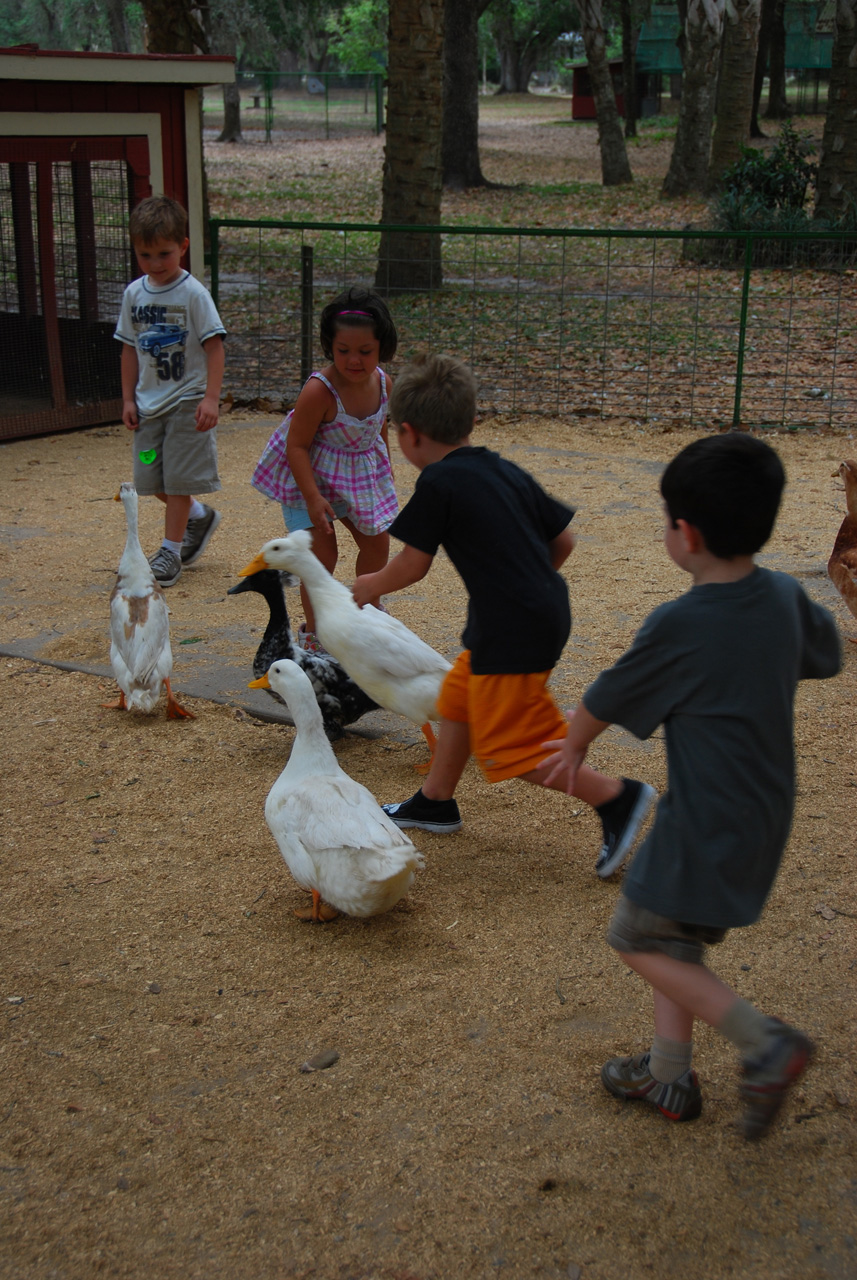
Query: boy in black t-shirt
point(507, 538)
point(718, 667)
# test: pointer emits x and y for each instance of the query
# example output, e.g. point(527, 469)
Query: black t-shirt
point(495, 523)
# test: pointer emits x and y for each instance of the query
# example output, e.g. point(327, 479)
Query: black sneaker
point(621, 820)
point(166, 566)
point(765, 1081)
point(631, 1080)
point(198, 535)
point(441, 816)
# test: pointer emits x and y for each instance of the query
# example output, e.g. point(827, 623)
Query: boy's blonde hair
point(158, 218)
point(437, 396)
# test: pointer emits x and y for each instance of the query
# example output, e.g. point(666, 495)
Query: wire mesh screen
point(316, 104)
point(24, 378)
point(64, 262)
point(640, 325)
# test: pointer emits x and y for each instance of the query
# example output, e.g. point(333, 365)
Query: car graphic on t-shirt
point(162, 335)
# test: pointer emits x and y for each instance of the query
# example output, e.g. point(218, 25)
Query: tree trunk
point(630, 36)
point(226, 41)
point(688, 169)
point(615, 168)
point(778, 106)
point(412, 186)
point(735, 91)
point(117, 22)
point(460, 147)
point(517, 60)
point(231, 131)
point(836, 186)
point(172, 27)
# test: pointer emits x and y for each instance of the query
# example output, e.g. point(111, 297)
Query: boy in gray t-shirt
point(172, 371)
point(718, 667)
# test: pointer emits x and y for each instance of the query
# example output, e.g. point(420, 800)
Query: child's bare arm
point(130, 369)
point(314, 405)
point(407, 567)
point(561, 547)
point(570, 753)
point(208, 409)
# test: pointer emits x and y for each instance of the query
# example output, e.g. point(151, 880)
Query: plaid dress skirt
point(349, 461)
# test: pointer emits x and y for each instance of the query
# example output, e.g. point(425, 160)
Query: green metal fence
point(666, 327)
point(306, 104)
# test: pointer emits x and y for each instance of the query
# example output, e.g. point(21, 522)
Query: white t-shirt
point(167, 324)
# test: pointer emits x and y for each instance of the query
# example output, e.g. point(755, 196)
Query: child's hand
point(321, 513)
point(563, 764)
point(364, 590)
point(207, 413)
point(129, 415)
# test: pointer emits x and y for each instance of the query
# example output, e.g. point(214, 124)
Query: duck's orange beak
point(117, 497)
point(262, 682)
point(256, 565)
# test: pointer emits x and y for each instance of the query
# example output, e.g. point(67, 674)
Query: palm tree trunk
point(735, 91)
point(836, 186)
point(688, 169)
point(411, 186)
point(615, 168)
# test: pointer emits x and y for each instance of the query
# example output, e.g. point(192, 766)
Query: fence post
point(306, 312)
point(213, 231)
point(742, 332)
point(268, 81)
point(379, 103)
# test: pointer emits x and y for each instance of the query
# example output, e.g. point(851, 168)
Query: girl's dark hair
point(729, 488)
point(355, 308)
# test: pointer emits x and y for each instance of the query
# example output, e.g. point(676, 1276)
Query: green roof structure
point(809, 37)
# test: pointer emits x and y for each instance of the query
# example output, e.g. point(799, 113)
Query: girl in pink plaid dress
point(330, 459)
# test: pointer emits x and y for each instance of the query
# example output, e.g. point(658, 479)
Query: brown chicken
point(842, 565)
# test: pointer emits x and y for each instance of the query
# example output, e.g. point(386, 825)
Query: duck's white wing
point(332, 811)
point(140, 634)
point(385, 643)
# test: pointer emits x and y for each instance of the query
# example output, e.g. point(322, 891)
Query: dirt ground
point(160, 996)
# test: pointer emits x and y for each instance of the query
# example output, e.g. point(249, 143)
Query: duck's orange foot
point(118, 705)
point(174, 710)
point(428, 734)
point(317, 915)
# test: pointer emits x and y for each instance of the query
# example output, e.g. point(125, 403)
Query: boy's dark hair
point(354, 309)
point(158, 218)
point(729, 488)
point(437, 396)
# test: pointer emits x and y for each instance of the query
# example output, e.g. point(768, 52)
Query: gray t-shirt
point(718, 668)
point(168, 324)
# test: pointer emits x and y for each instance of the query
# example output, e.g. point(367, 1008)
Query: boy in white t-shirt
point(172, 371)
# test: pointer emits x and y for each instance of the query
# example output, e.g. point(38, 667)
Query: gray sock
point(175, 547)
point(669, 1059)
point(746, 1027)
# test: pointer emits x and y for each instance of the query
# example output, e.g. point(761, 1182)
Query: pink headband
point(355, 313)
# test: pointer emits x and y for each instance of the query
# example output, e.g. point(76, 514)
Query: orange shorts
point(510, 717)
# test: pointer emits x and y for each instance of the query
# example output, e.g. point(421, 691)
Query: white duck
point(397, 669)
point(140, 652)
point(334, 836)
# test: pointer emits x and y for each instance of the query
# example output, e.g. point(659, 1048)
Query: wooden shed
point(83, 138)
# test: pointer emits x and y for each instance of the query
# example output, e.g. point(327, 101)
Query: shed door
point(65, 259)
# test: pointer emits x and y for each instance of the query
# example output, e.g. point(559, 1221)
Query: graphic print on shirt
point(162, 332)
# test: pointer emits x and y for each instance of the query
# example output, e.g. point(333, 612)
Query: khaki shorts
point(172, 457)
point(510, 717)
point(635, 928)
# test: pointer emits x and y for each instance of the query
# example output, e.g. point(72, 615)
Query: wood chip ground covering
point(160, 998)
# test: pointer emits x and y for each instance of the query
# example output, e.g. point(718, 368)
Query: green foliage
point(767, 184)
point(358, 36)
